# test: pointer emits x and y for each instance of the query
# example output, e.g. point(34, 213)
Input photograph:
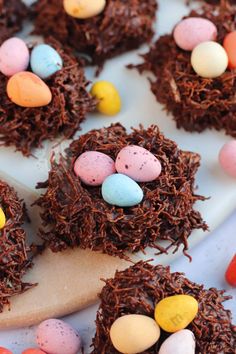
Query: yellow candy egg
point(28, 90)
point(108, 96)
point(83, 9)
point(2, 219)
point(133, 334)
point(176, 312)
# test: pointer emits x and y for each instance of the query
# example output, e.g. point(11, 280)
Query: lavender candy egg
point(14, 56)
point(93, 167)
point(57, 337)
point(138, 163)
point(45, 61)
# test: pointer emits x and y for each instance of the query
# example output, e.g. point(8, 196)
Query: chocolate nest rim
point(76, 215)
point(139, 288)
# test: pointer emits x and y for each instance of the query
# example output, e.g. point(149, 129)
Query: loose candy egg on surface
point(121, 190)
point(83, 9)
point(108, 96)
point(209, 60)
point(33, 351)
point(57, 337)
point(14, 56)
point(192, 31)
point(227, 158)
point(230, 47)
point(230, 274)
point(2, 219)
point(5, 351)
point(176, 312)
point(182, 342)
point(138, 163)
point(45, 61)
point(28, 90)
point(131, 334)
point(94, 167)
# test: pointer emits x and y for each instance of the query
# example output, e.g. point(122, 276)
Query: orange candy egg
point(32, 351)
point(230, 47)
point(5, 351)
point(28, 90)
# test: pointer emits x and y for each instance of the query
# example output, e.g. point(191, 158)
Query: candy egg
point(28, 90)
point(133, 334)
point(230, 47)
point(138, 163)
point(108, 96)
point(83, 8)
point(94, 167)
point(2, 219)
point(176, 312)
point(121, 190)
point(33, 351)
point(194, 30)
point(5, 351)
point(45, 61)
point(230, 274)
point(14, 56)
point(182, 342)
point(227, 158)
point(57, 337)
point(209, 60)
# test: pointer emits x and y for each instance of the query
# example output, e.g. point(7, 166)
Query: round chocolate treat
point(26, 127)
point(14, 259)
point(138, 289)
point(196, 103)
point(75, 214)
point(121, 26)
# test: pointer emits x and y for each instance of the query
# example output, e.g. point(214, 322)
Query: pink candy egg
point(227, 158)
point(14, 56)
point(57, 337)
point(94, 167)
point(194, 30)
point(138, 163)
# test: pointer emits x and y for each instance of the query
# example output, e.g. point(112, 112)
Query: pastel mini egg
point(45, 61)
point(209, 60)
point(131, 334)
point(83, 9)
point(109, 101)
point(176, 312)
point(33, 351)
point(5, 351)
point(230, 274)
point(2, 219)
point(181, 342)
point(57, 337)
point(121, 190)
point(14, 56)
point(230, 47)
point(138, 163)
point(192, 31)
point(93, 167)
point(227, 158)
point(27, 90)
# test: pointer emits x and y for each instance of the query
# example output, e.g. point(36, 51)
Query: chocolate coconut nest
point(27, 128)
point(14, 259)
point(139, 288)
point(122, 26)
point(12, 14)
point(196, 103)
point(74, 214)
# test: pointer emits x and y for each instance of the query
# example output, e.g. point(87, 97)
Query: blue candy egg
point(45, 61)
point(121, 190)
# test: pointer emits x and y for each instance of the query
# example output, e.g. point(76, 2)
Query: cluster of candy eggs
point(133, 334)
point(118, 178)
point(209, 59)
point(27, 88)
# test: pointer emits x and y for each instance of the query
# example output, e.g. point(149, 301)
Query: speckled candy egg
point(14, 56)
point(57, 337)
point(93, 167)
point(227, 158)
point(45, 61)
point(138, 163)
point(182, 342)
point(194, 30)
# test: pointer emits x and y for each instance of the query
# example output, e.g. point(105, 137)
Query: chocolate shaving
point(139, 288)
point(122, 26)
point(196, 103)
point(14, 260)
point(27, 128)
point(76, 215)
